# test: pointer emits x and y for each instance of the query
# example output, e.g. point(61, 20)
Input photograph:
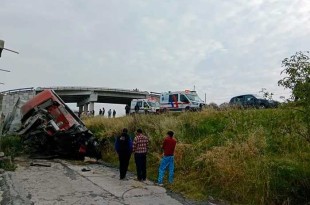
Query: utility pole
point(3, 48)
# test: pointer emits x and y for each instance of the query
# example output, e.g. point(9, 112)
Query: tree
point(213, 105)
point(297, 70)
point(267, 95)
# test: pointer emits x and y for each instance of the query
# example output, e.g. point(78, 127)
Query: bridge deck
point(70, 94)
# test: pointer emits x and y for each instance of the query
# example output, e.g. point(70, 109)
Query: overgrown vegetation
point(242, 156)
point(12, 147)
point(297, 79)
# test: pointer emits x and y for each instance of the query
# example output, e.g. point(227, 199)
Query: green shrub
point(289, 180)
point(12, 147)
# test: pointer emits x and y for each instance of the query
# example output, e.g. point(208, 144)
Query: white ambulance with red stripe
point(180, 101)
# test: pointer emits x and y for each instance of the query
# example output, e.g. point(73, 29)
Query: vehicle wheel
point(200, 107)
point(187, 109)
point(262, 106)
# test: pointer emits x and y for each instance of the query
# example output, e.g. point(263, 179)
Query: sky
point(219, 48)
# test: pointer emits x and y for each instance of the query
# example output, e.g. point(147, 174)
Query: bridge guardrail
point(17, 90)
point(91, 89)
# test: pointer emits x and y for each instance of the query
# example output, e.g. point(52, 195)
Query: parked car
point(143, 106)
point(251, 100)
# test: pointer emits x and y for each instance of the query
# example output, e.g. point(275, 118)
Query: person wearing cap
point(123, 147)
point(140, 148)
point(168, 158)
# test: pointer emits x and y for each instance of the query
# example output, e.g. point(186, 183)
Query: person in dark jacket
point(137, 108)
point(123, 147)
point(127, 109)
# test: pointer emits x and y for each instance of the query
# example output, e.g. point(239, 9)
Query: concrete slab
point(65, 183)
point(131, 191)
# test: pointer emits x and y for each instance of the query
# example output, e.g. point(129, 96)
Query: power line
point(4, 70)
point(10, 50)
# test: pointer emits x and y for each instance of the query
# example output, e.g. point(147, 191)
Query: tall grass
point(241, 156)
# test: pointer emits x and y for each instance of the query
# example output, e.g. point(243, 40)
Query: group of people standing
point(124, 147)
point(110, 113)
point(87, 114)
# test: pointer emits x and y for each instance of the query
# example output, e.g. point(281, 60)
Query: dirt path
point(66, 183)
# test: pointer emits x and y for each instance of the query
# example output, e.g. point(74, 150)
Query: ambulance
point(179, 101)
point(144, 106)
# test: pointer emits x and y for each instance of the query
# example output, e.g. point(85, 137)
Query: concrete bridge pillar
point(86, 108)
point(80, 109)
point(91, 106)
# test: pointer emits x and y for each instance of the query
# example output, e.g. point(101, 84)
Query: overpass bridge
point(84, 97)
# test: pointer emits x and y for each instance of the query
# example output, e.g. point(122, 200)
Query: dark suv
point(252, 101)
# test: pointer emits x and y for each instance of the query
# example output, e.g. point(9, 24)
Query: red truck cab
point(48, 120)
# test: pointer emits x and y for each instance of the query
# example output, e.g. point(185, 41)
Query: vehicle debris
point(85, 169)
point(41, 164)
point(49, 127)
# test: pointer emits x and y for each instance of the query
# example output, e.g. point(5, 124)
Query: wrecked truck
point(50, 127)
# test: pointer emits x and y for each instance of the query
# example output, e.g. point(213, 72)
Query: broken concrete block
point(90, 160)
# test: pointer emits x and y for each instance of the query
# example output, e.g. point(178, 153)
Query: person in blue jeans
point(167, 160)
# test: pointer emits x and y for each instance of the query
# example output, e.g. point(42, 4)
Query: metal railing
point(75, 88)
point(80, 88)
point(16, 90)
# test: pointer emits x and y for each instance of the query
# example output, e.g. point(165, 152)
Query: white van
point(144, 106)
point(180, 101)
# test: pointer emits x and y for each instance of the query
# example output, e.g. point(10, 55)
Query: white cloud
point(224, 48)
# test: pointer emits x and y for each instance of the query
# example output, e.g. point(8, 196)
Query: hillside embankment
point(239, 156)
